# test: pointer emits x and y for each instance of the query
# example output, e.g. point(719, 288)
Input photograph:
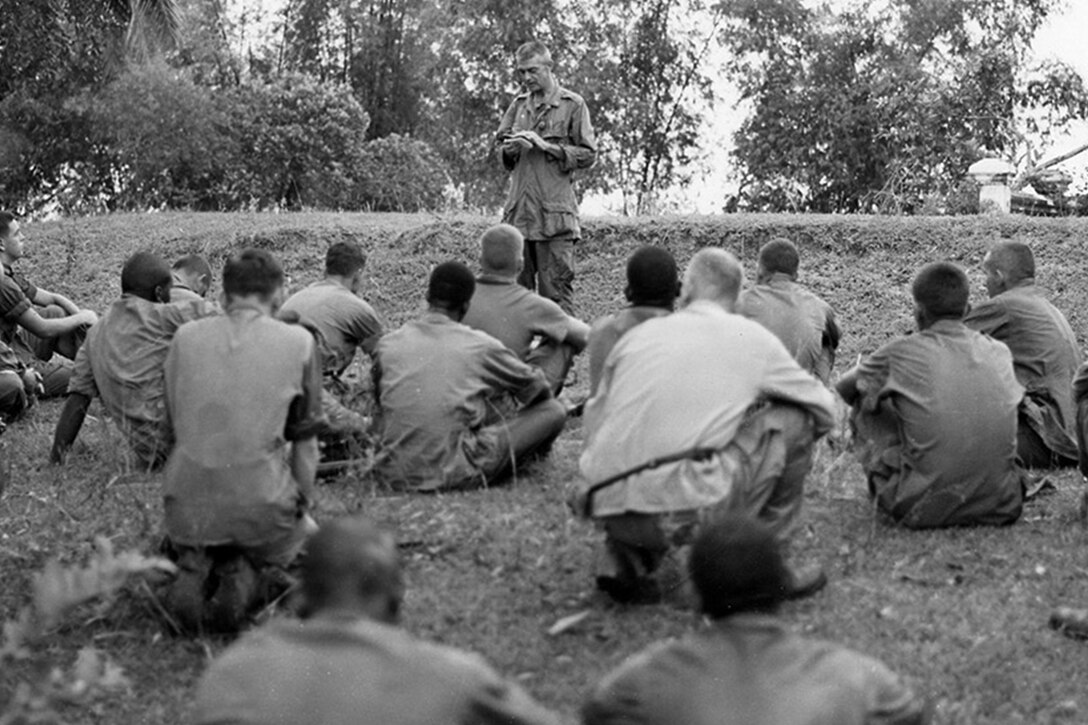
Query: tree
point(51, 53)
point(645, 76)
point(883, 106)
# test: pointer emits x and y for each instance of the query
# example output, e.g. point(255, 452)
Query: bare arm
point(44, 298)
point(55, 327)
point(304, 457)
point(577, 334)
point(71, 420)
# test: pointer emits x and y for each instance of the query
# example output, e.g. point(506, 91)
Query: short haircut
point(532, 49)
point(194, 264)
point(350, 551)
point(736, 565)
point(652, 278)
point(941, 290)
point(501, 248)
point(344, 259)
point(780, 255)
point(1014, 259)
point(142, 273)
point(253, 272)
point(714, 273)
point(451, 285)
point(6, 218)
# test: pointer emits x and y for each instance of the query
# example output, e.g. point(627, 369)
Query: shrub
point(400, 173)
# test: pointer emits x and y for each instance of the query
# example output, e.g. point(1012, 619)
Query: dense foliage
point(392, 104)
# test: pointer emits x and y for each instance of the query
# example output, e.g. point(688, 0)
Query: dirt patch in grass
point(961, 613)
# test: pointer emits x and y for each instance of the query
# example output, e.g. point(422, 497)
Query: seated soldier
point(192, 278)
point(122, 359)
point(343, 323)
point(935, 413)
point(1045, 354)
point(800, 319)
point(243, 392)
point(19, 386)
point(744, 667)
point(348, 661)
point(434, 378)
point(518, 317)
point(652, 287)
point(36, 323)
point(697, 412)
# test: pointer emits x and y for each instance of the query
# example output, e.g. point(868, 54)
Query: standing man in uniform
point(544, 136)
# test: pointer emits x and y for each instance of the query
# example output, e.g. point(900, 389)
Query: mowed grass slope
point(961, 613)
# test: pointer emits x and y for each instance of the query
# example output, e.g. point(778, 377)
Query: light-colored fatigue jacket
point(541, 201)
point(680, 382)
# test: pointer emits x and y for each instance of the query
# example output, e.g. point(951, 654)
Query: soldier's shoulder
point(568, 95)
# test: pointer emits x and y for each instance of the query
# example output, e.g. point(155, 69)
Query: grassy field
point(960, 613)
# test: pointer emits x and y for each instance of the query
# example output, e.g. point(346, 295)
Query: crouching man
point(243, 392)
point(698, 413)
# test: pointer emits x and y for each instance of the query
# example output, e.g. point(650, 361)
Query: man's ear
point(162, 292)
point(203, 284)
point(627, 292)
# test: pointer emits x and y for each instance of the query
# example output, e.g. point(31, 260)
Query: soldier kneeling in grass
point(243, 391)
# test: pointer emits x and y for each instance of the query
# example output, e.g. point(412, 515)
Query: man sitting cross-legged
point(935, 414)
point(517, 317)
point(43, 328)
point(652, 287)
point(343, 323)
point(698, 412)
point(801, 320)
point(348, 662)
point(243, 392)
point(192, 277)
point(122, 359)
point(743, 666)
point(435, 378)
point(1045, 354)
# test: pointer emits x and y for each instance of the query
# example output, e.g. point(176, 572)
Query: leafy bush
point(399, 173)
point(298, 140)
point(169, 138)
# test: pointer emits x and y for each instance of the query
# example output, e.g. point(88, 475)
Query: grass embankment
point(961, 613)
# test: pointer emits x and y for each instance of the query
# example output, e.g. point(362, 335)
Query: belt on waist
point(691, 454)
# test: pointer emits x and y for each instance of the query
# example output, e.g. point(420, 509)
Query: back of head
point(193, 265)
point(253, 272)
point(941, 291)
point(142, 273)
point(344, 259)
point(533, 49)
point(652, 278)
point(451, 286)
point(501, 249)
point(6, 218)
point(713, 274)
point(1014, 259)
point(736, 566)
point(351, 561)
point(780, 255)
